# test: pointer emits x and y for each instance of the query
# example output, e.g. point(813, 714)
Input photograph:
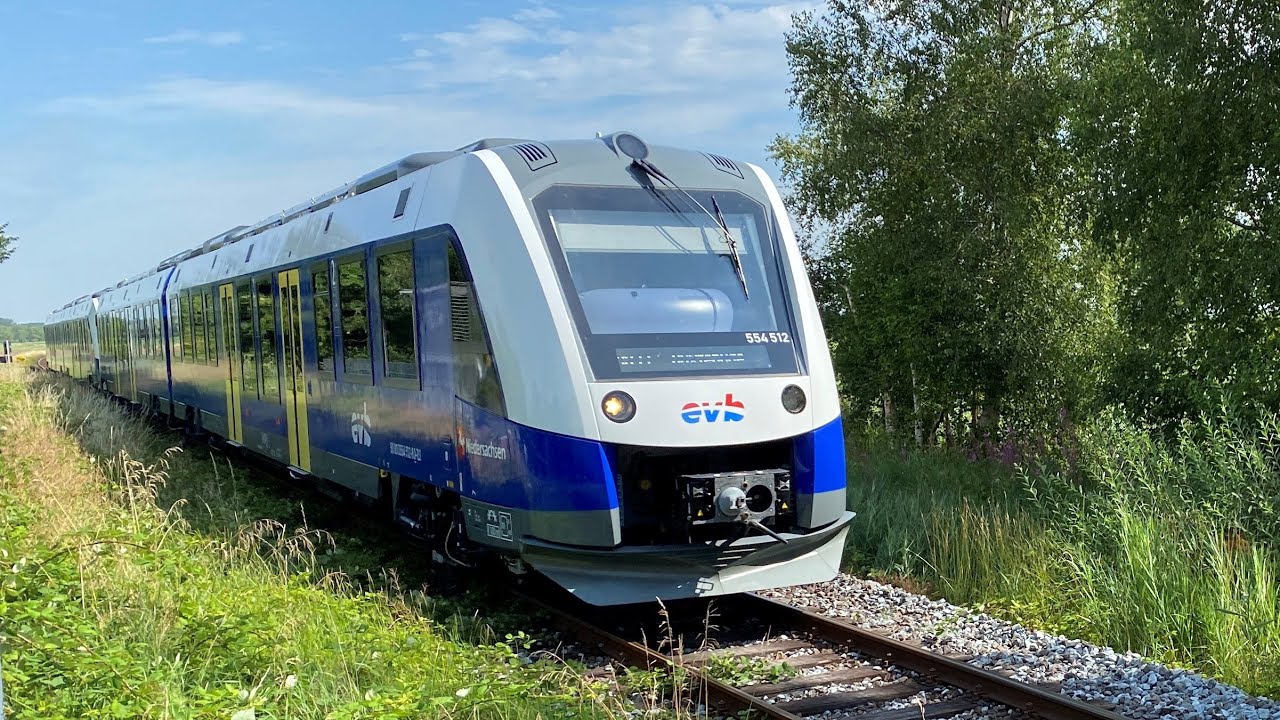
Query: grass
point(139, 580)
point(22, 347)
point(1168, 546)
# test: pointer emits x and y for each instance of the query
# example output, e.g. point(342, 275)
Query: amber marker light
point(618, 406)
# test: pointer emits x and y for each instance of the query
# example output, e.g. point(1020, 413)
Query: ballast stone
point(1140, 689)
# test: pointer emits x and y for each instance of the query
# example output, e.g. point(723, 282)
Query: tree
point(6, 243)
point(1180, 133)
point(956, 271)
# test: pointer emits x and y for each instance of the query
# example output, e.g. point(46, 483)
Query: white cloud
point(224, 97)
point(535, 13)
point(195, 37)
point(709, 65)
point(189, 156)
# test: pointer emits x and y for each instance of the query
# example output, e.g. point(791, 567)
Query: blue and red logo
point(727, 410)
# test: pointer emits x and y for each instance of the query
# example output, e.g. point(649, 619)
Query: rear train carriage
point(594, 358)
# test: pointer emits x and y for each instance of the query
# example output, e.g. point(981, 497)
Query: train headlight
point(793, 399)
point(618, 406)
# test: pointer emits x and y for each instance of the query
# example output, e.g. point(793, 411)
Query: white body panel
point(660, 408)
point(546, 378)
point(824, 397)
point(536, 349)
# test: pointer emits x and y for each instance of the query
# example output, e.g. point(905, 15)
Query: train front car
point(671, 419)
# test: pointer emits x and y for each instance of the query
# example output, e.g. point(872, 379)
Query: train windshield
point(654, 291)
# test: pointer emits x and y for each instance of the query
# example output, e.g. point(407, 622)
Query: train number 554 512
point(754, 338)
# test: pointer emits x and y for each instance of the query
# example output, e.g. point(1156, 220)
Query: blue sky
point(133, 130)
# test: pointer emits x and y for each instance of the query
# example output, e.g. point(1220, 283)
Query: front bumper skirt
point(642, 573)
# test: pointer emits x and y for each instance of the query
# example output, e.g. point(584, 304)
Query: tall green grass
point(1168, 545)
point(136, 583)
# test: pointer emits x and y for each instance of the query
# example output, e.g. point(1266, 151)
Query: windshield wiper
point(652, 171)
point(733, 247)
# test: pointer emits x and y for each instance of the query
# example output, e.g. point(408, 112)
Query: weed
point(737, 670)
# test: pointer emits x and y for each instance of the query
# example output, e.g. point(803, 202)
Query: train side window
point(475, 377)
point(248, 355)
point(396, 300)
point(210, 328)
point(197, 326)
point(188, 322)
point(143, 331)
point(353, 311)
point(323, 315)
point(175, 331)
point(154, 320)
point(267, 337)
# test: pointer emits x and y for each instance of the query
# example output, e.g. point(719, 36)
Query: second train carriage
point(594, 357)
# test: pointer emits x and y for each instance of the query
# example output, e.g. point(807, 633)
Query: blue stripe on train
point(818, 460)
point(508, 464)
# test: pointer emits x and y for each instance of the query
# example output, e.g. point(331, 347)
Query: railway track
point(794, 664)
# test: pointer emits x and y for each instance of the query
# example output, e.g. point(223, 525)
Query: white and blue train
point(593, 358)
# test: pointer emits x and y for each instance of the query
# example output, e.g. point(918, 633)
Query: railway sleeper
point(852, 699)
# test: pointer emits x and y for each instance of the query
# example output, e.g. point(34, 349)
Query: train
point(595, 359)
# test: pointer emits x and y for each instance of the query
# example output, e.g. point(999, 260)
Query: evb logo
point(727, 410)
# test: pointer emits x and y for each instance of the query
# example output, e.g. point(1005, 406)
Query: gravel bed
point(1140, 689)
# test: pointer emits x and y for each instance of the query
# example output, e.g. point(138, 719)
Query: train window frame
point(175, 329)
point(212, 337)
point(344, 374)
point(249, 387)
point(325, 330)
point(142, 332)
point(157, 331)
point(258, 281)
point(385, 378)
point(198, 325)
point(188, 328)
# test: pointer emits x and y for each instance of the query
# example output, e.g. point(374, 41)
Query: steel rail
point(714, 693)
point(992, 685)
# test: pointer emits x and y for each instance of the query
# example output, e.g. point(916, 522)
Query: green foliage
point(7, 242)
point(21, 332)
point(1169, 546)
point(1176, 131)
point(737, 670)
point(956, 271)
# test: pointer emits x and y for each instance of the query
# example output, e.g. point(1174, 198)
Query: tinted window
point(175, 330)
point(248, 358)
point(395, 291)
point(267, 336)
point(197, 327)
point(210, 328)
point(353, 308)
point(659, 293)
point(324, 320)
point(188, 341)
point(157, 330)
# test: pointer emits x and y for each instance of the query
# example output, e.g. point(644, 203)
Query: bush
point(1166, 545)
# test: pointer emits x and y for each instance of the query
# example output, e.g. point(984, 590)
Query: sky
point(132, 130)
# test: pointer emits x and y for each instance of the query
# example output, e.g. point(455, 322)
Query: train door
point(231, 355)
point(295, 383)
